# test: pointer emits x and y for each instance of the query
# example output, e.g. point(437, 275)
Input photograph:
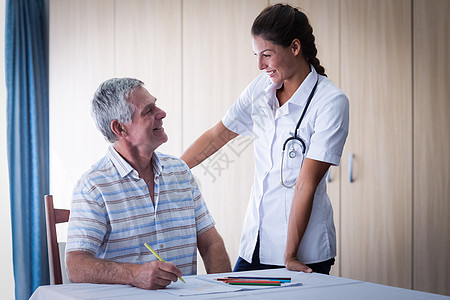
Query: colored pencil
point(250, 281)
point(253, 283)
point(281, 279)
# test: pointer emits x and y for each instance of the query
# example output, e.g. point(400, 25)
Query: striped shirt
point(112, 214)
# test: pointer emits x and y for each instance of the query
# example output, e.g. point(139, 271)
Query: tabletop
point(302, 286)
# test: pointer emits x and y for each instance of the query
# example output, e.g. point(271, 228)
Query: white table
point(313, 286)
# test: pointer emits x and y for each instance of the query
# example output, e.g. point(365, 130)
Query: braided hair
point(281, 24)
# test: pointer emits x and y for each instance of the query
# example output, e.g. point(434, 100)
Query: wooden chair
point(52, 217)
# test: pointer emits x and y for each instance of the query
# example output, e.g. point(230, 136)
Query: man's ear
point(118, 128)
point(296, 46)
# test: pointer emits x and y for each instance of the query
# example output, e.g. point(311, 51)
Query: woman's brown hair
point(281, 24)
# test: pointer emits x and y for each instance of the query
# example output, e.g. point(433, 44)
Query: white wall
point(6, 276)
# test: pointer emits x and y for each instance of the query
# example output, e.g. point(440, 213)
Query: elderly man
point(135, 195)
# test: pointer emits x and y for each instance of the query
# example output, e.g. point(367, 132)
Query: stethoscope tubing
point(296, 136)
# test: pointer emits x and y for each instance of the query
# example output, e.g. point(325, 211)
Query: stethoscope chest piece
point(292, 153)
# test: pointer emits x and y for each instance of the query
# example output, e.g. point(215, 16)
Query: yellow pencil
point(159, 257)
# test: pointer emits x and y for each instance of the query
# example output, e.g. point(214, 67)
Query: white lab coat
point(324, 129)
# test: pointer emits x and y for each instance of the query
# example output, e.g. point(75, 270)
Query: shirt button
point(161, 246)
point(145, 188)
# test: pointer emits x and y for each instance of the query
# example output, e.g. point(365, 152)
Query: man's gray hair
point(111, 103)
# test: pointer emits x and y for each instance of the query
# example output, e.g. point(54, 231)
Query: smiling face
point(279, 63)
point(145, 132)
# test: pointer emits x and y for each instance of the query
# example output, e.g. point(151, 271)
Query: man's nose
point(161, 114)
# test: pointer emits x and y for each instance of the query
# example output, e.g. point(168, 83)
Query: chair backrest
point(52, 217)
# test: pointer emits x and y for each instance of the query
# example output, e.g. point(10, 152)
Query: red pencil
point(250, 281)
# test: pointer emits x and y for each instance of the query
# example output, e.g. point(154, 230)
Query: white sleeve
point(239, 116)
point(330, 131)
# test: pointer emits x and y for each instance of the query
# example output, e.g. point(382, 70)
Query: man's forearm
point(213, 252)
point(83, 267)
point(216, 260)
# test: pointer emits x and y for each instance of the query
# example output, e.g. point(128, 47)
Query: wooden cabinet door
point(81, 43)
point(148, 47)
point(218, 63)
point(376, 208)
point(431, 146)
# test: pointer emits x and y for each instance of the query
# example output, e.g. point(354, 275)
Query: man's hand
point(155, 275)
point(293, 264)
point(85, 267)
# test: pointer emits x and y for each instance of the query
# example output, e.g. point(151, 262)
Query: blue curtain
point(26, 66)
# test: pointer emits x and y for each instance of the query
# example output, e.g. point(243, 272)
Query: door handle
point(350, 167)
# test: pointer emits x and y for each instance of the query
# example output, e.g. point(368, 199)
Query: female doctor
point(299, 121)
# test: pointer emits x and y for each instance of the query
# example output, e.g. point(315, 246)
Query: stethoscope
point(292, 153)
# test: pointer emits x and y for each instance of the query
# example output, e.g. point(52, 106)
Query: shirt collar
point(304, 90)
point(125, 168)
point(301, 94)
point(157, 165)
